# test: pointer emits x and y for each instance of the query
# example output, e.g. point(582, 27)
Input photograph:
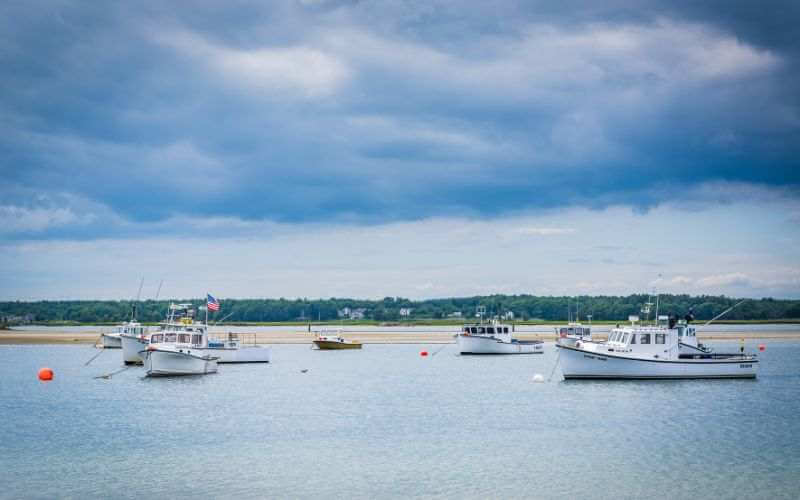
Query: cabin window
point(659, 338)
point(633, 338)
point(183, 338)
point(170, 337)
point(625, 339)
point(571, 331)
point(157, 338)
point(644, 338)
point(563, 331)
point(505, 329)
point(481, 329)
point(473, 330)
point(490, 329)
point(196, 339)
point(190, 329)
point(466, 330)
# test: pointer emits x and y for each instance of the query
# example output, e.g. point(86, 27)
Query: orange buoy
point(762, 347)
point(45, 374)
point(423, 353)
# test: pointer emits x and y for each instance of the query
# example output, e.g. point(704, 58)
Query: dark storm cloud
point(121, 115)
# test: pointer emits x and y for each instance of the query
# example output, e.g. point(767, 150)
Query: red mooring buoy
point(45, 374)
point(762, 347)
point(423, 353)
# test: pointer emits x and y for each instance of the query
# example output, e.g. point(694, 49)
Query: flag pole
point(206, 309)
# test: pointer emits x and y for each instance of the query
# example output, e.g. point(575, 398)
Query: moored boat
point(233, 348)
point(183, 346)
point(170, 360)
point(111, 340)
point(133, 340)
point(651, 352)
point(494, 338)
point(325, 340)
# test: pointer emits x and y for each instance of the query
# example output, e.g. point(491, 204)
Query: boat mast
point(138, 294)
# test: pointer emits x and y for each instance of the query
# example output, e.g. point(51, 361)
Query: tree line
point(523, 307)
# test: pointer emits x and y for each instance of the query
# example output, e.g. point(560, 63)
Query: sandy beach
point(366, 337)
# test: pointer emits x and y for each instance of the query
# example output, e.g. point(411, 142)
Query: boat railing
point(241, 338)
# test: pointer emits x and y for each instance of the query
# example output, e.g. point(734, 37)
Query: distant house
point(405, 311)
point(508, 316)
point(352, 313)
point(456, 314)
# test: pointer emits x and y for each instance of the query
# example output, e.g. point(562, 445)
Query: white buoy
point(538, 377)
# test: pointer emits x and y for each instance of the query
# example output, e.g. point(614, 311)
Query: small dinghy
point(334, 341)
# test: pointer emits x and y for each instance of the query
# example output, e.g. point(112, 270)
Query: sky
point(397, 148)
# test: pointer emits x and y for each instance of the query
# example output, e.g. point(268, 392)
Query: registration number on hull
point(594, 357)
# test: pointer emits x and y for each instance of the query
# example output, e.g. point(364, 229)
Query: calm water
point(385, 422)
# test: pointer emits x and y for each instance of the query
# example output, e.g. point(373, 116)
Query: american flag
point(212, 303)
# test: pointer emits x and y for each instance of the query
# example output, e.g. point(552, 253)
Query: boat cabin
point(574, 330)
point(642, 340)
point(180, 328)
point(131, 329)
point(494, 330)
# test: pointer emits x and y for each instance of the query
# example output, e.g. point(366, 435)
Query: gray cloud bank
point(122, 116)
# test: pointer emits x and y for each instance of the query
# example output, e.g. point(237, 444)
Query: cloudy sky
point(421, 149)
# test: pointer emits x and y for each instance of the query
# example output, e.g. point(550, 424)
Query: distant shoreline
point(427, 322)
point(21, 337)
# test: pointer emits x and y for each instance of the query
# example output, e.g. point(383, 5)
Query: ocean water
point(385, 422)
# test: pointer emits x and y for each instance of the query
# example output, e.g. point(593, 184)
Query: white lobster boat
point(133, 340)
point(112, 340)
point(180, 346)
point(177, 359)
point(494, 338)
point(652, 352)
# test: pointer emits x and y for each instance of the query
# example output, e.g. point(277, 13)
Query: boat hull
point(167, 363)
point(471, 344)
point(331, 345)
point(111, 341)
point(578, 363)
point(242, 354)
point(131, 347)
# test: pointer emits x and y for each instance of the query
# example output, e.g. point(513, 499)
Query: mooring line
point(102, 350)
point(109, 375)
point(558, 358)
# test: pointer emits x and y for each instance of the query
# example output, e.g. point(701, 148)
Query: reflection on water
point(385, 422)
